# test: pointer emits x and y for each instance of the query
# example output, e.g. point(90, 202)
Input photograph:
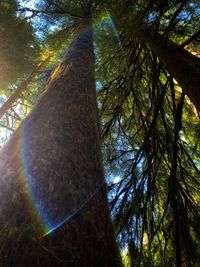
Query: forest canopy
point(147, 76)
point(17, 57)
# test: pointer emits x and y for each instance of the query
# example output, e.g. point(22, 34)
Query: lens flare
point(38, 207)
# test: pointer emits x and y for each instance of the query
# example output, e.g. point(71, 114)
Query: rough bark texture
point(182, 65)
point(60, 145)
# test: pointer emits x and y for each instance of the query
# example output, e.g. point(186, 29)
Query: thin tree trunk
point(182, 65)
point(54, 159)
point(20, 90)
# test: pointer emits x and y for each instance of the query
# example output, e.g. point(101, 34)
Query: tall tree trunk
point(182, 65)
point(53, 164)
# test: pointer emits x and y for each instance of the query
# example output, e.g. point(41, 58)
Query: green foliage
point(139, 104)
point(18, 45)
point(150, 142)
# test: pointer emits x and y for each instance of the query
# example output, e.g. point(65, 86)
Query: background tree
point(153, 201)
point(17, 60)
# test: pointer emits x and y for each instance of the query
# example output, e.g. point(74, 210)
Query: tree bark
point(53, 164)
point(182, 65)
